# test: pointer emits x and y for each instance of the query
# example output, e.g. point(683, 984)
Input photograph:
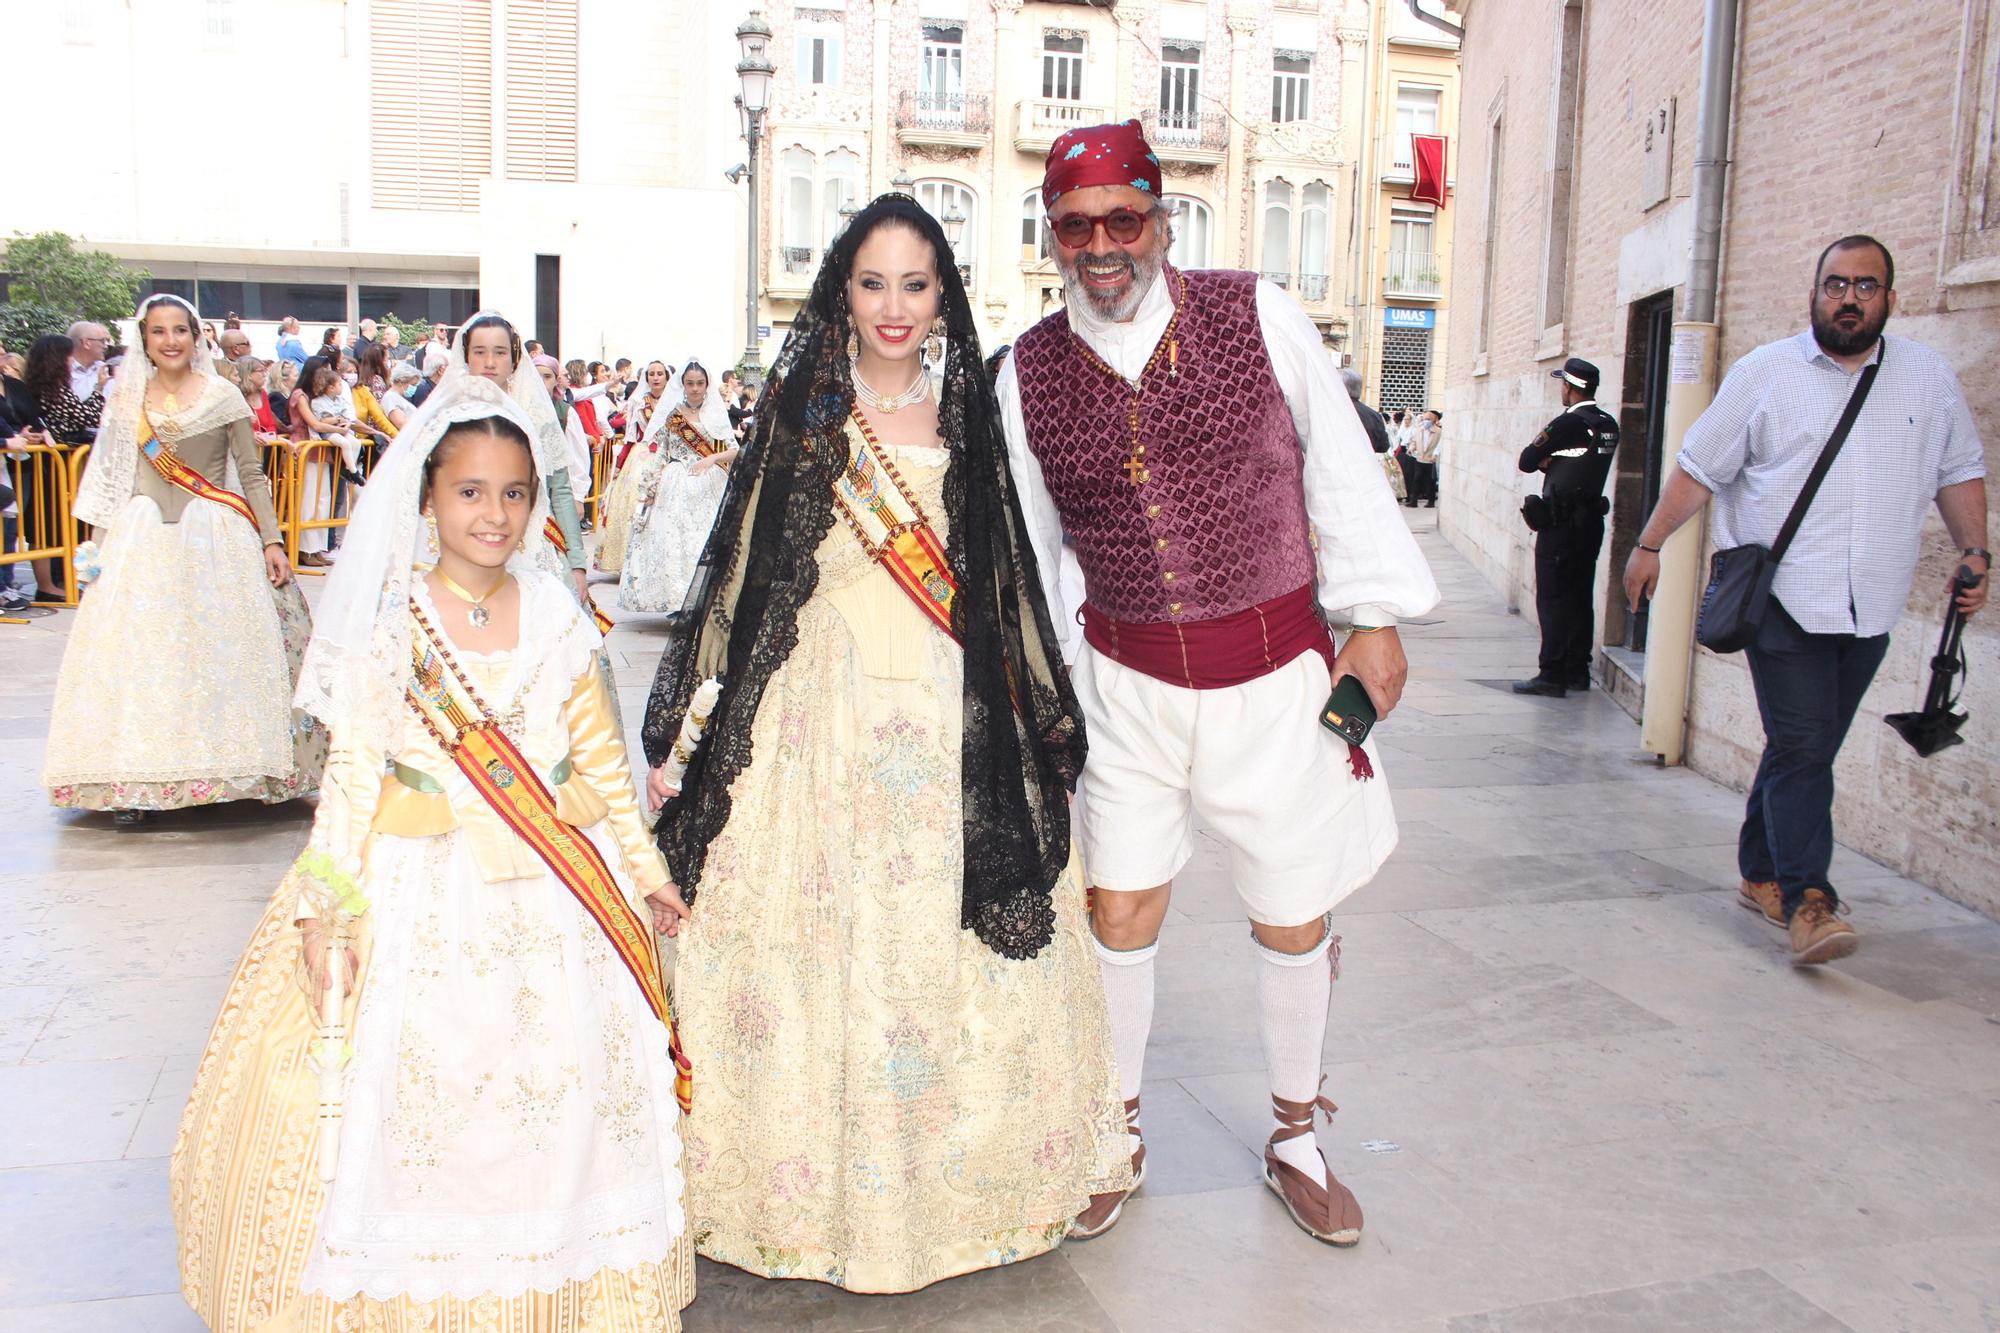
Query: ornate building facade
point(1259, 113)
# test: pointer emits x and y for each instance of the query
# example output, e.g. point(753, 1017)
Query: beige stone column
point(1236, 167)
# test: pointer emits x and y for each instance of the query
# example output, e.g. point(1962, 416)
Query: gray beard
point(1113, 309)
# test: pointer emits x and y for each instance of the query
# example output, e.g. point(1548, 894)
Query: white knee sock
point(1293, 990)
point(1128, 1000)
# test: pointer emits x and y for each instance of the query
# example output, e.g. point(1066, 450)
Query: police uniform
point(1568, 518)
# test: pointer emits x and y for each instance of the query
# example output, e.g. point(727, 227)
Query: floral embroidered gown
point(676, 507)
point(176, 684)
point(509, 1158)
point(881, 1100)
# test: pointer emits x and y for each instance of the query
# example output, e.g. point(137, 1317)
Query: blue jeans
point(1808, 688)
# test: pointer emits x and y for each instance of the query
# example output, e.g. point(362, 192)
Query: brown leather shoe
point(1102, 1213)
point(1818, 934)
point(1763, 895)
point(1325, 1210)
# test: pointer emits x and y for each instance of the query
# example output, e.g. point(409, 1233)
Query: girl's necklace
point(895, 402)
point(476, 611)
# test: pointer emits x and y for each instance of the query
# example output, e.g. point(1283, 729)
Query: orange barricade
point(600, 477)
point(44, 478)
point(311, 469)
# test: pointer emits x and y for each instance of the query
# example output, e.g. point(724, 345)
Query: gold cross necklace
point(1134, 467)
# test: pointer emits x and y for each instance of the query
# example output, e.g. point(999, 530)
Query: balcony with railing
point(1197, 138)
point(1314, 286)
point(1277, 279)
point(792, 270)
point(944, 120)
point(1417, 273)
point(1039, 120)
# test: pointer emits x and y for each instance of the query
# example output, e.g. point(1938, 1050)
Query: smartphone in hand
point(1349, 712)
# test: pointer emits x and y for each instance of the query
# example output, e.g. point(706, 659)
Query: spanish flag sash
point(892, 528)
point(177, 473)
point(465, 728)
point(561, 543)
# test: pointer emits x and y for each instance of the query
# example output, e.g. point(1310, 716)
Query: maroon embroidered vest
point(1220, 525)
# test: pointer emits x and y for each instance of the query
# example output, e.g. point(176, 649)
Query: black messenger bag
point(1740, 578)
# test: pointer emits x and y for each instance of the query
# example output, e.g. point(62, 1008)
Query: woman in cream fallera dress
point(883, 1100)
point(176, 684)
point(509, 1156)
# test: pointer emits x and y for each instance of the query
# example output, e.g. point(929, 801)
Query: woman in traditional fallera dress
point(176, 684)
point(682, 476)
point(645, 417)
point(886, 985)
point(460, 967)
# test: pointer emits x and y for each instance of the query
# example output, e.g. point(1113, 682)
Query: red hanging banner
point(1428, 152)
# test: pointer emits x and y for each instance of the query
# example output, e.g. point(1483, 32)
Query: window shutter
point(430, 86)
point(540, 111)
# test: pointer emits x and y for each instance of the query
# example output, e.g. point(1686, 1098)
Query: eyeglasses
point(1864, 288)
point(1122, 225)
point(88, 339)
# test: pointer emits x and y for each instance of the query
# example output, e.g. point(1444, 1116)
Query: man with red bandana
point(1185, 438)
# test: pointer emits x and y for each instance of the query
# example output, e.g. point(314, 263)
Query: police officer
point(1574, 454)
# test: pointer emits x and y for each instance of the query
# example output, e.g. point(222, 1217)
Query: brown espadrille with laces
point(1763, 895)
point(1325, 1210)
point(1103, 1210)
point(1818, 934)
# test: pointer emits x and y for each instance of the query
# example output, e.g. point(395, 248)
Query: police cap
point(1578, 372)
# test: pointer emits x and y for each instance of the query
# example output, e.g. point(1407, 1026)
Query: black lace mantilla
point(740, 620)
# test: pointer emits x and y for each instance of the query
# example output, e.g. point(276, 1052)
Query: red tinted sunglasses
point(1122, 225)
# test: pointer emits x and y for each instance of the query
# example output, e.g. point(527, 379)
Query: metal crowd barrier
point(44, 478)
point(297, 463)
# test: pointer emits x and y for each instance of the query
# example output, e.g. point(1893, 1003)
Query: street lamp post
point(753, 72)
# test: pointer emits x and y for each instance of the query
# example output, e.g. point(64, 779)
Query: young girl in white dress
point(441, 1092)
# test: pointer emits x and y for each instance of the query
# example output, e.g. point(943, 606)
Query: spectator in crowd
point(437, 352)
point(1425, 439)
point(433, 372)
point(18, 418)
point(392, 344)
point(60, 417)
point(90, 344)
point(279, 382)
point(232, 320)
point(371, 383)
point(600, 372)
point(210, 343)
point(225, 370)
point(747, 425)
point(531, 348)
point(333, 340)
point(68, 389)
point(1371, 420)
point(290, 348)
point(253, 378)
point(366, 340)
point(621, 375)
point(235, 344)
point(403, 379)
point(1845, 580)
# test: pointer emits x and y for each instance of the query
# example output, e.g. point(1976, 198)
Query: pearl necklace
point(896, 402)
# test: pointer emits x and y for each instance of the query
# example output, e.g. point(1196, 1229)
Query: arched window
point(795, 226)
point(1035, 240)
point(1191, 221)
point(1315, 234)
point(940, 198)
point(1277, 259)
point(840, 185)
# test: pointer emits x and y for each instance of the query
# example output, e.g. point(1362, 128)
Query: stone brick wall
point(1836, 129)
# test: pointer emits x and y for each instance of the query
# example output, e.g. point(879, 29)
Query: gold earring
point(853, 346)
point(433, 548)
point(934, 345)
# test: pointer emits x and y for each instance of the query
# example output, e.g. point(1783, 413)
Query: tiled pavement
point(1580, 1088)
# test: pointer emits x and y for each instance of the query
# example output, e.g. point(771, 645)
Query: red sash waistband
point(1215, 654)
